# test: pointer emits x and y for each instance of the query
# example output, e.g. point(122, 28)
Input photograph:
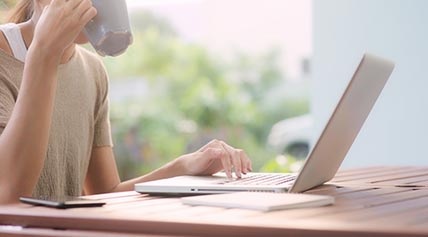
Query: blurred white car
point(292, 136)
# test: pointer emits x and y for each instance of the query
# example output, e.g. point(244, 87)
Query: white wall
point(396, 133)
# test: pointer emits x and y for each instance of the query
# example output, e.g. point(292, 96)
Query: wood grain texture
point(7, 231)
point(374, 201)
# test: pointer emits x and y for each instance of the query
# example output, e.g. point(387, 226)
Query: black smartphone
point(62, 202)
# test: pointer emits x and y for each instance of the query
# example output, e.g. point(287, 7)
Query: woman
point(55, 132)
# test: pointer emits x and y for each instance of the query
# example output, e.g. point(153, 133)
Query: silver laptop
point(323, 161)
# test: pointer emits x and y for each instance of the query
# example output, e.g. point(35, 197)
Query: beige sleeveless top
point(80, 119)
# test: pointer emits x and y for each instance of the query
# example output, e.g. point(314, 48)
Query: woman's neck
point(27, 31)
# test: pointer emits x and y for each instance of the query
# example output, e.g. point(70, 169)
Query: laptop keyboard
point(262, 179)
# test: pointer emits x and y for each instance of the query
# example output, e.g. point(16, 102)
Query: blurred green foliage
point(194, 96)
point(282, 164)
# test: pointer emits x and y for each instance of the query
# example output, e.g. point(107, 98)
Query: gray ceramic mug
point(109, 32)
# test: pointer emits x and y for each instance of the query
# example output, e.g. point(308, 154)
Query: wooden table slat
point(374, 201)
point(403, 181)
point(367, 214)
point(421, 182)
point(369, 170)
point(407, 218)
point(66, 233)
point(378, 175)
point(106, 196)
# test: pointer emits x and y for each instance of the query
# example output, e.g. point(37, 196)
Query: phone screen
point(62, 201)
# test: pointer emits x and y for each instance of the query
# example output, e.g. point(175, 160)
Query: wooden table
point(374, 201)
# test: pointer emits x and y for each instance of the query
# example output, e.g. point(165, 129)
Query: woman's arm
point(102, 176)
point(24, 141)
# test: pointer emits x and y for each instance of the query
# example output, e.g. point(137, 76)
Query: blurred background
point(264, 76)
point(200, 70)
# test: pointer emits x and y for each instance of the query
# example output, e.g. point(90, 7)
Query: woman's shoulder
point(91, 61)
point(94, 67)
point(89, 57)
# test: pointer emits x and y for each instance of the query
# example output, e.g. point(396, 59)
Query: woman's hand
point(60, 23)
point(210, 159)
point(214, 157)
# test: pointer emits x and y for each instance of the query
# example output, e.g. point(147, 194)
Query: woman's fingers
point(88, 15)
point(83, 7)
point(232, 157)
point(235, 158)
point(227, 165)
point(245, 161)
point(237, 164)
point(72, 4)
point(225, 159)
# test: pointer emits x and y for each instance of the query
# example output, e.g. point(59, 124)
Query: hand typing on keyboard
point(214, 157)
